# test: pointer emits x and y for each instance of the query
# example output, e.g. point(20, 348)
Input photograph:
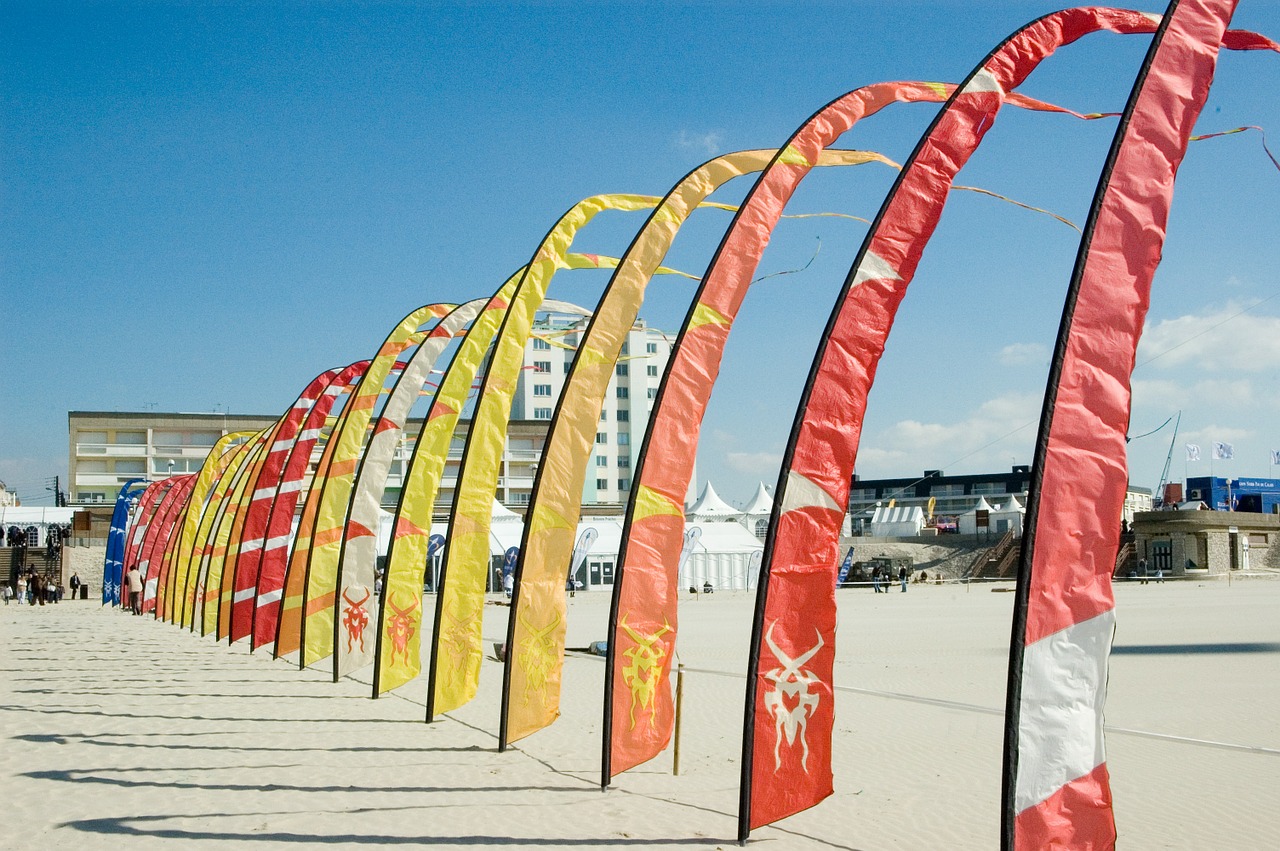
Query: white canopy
point(710, 507)
point(901, 521)
point(761, 504)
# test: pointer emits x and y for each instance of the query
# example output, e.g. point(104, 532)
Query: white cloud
point(1021, 354)
point(998, 434)
point(709, 143)
point(755, 463)
point(1225, 339)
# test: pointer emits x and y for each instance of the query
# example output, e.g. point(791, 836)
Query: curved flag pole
point(1056, 790)
point(456, 635)
point(536, 627)
point(113, 565)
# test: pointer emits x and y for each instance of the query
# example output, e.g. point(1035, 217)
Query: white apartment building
point(558, 327)
point(106, 449)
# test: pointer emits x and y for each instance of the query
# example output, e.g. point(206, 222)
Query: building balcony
point(112, 450)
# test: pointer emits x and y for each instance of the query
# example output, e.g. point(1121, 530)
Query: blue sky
point(204, 205)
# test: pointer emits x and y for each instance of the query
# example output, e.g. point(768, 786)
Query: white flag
point(1193, 452)
point(1275, 456)
point(1223, 451)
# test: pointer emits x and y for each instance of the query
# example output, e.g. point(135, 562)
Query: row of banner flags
point(1221, 452)
point(1224, 452)
point(219, 552)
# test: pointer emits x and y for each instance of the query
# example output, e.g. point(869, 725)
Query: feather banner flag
point(155, 543)
point(456, 636)
point(246, 561)
point(396, 651)
point(113, 564)
point(531, 681)
point(321, 601)
point(1223, 451)
point(288, 627)
point(358, 551)
point(1193, 452)
point(148, 506)
point(1056, 786)
point(271, 590)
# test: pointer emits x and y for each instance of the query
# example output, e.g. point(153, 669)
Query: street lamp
point(171, 462)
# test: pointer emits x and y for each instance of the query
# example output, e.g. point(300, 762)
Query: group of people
point(882, 578)
point(34, 588)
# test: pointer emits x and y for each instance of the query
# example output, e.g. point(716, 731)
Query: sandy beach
point(119, 729)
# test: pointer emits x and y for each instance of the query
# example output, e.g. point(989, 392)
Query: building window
point(602, 484)
point(542, 389)
point(623, 439)
point(622, 370)
point(542, 366)
point(539, 343)
point(651, 348)
point(624, 460)
point(623, 393)
point(568, 367)
point(624, 484)
point(542, 413)
point(604, 415)
point(626, 347)
point(624, 416)
point(602, 460)
point(651, 370)
point(601, 437)
point(653, 392)
point(519, 499)
point(984, 488)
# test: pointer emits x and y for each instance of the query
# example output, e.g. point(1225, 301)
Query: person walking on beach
point(1142, 571)
point(875, 578)
point(22, 588)
point(134, 578)
point(902, 577)
point(74, 582)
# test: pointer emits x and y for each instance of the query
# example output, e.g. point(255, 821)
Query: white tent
point(42, 518)
point(901, 521)
point(967, 523)
point(755, 517)
point(724, 555)
point(710, 508)
point(1007, 516)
